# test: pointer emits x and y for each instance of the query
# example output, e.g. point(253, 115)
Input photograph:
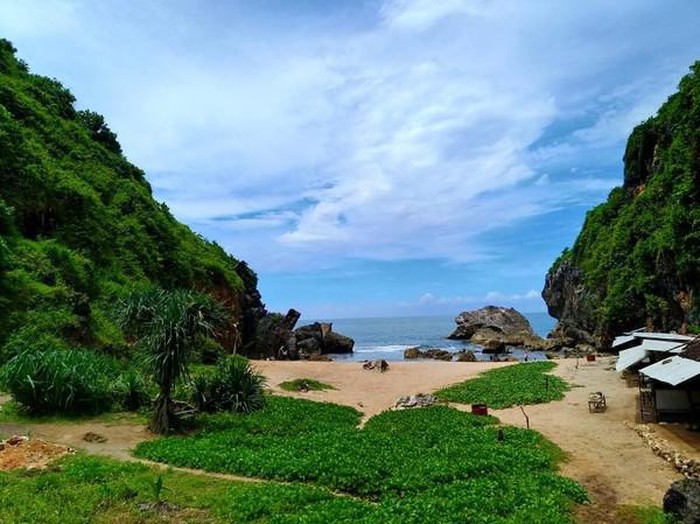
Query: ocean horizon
point(387, 337)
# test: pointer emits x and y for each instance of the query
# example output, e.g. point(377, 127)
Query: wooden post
point(527, 419)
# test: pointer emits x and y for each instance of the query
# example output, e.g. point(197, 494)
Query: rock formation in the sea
point(496, 328)
point(636, 262)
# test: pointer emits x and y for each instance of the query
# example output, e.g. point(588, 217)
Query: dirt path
point(610, 460)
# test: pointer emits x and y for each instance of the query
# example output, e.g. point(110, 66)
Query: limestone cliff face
point(636, 262)
point(569, 300)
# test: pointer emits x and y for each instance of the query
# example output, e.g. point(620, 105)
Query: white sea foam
point(391, 348)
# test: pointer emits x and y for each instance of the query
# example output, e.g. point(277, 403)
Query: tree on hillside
point(167, 325)
point(100, 131)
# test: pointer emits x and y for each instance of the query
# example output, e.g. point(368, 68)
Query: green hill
point(79, 227)
point(636, 262)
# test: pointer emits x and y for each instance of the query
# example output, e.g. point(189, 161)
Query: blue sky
point(396, 157)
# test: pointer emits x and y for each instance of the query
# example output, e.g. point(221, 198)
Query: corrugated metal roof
point(624, 339)
point(662, 336)
point(629, 357)
point(673, 370)
point(662, 345)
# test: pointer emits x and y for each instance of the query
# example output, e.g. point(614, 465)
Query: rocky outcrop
point(433, 353)
point(496, 328)
point(569, 300)
point(682, 501)
point(319, 338)
point(635, 262)
point(466, 356)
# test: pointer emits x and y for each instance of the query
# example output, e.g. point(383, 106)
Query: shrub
point(68, 382)
point(131, 390)
point(234, 386)
point(209, 351)
point(300, 384)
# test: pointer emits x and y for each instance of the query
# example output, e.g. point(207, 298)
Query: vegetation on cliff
point(636, 261)
point(79, 228)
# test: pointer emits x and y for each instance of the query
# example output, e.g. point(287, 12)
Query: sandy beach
point(370, 391)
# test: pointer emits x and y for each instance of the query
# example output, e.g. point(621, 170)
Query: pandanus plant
point(166, 326)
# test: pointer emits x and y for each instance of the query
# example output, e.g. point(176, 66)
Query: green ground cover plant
point(426, 465)
point(521, 384)
point(309, 383)
point(99, 490)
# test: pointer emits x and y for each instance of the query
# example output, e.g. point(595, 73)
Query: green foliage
point(94, 489)
point(131, 390)
point(309, 384)
point(644, 515)
point(167, 325)
point(641, 248)
point(524, 383)
point(234, 386)
point(79, 228)
point(68, 382)
point(99, 131)
point(425, 465)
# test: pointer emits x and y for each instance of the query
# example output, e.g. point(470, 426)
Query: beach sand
point(370, 391)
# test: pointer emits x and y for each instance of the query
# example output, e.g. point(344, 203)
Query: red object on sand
point(480, 409)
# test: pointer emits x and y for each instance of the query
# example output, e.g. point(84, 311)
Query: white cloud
point(491, 297)
point(421, 14)
point(410, 137)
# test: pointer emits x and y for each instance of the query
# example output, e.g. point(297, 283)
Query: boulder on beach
point(682, 500)
point(433, 353)
point(496, 328)
point(466, 356)
point(319, 339)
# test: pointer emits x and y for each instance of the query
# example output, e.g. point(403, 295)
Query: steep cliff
point(636, 262)
point(79, 227)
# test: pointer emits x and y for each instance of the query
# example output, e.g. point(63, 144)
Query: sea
point(387, 337)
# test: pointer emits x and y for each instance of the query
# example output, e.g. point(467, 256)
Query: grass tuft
point(309, 384)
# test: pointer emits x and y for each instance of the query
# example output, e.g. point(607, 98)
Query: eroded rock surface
point(496, 328)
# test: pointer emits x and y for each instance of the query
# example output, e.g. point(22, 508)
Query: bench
point(597, 402)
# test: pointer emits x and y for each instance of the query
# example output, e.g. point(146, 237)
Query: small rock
point(466, 356)
point(16, 440)
point(417, 400)
point(94, 437)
